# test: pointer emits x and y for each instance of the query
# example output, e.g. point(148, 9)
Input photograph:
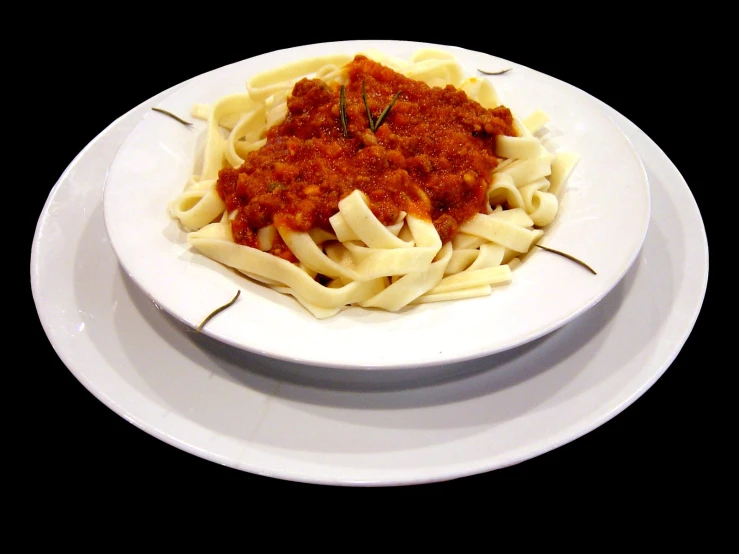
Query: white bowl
point(603, 220)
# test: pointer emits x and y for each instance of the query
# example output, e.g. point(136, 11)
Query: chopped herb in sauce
point(342, 111)
point(384, 112)
point(373, 125)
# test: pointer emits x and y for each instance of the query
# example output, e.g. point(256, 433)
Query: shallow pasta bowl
point(603, 219)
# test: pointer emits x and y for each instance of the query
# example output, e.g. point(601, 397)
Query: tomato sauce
point(431, 156)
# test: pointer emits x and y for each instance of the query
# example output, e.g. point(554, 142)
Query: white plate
point(603, 221)
point(248, 412)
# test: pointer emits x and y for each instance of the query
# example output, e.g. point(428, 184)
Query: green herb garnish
point(569, 257)
point(385, 111)
point(494, 72)
point(373, 125)
point(217, 311)
point(342, 111)
point(173, 116)
point(366, 105)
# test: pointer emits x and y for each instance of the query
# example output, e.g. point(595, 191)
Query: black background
point(94, 69)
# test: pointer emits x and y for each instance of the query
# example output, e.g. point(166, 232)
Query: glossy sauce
point(431, 156)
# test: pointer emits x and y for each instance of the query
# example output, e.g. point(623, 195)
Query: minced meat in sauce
point(432, 156)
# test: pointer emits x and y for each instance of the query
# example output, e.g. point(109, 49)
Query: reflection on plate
point(368, 428)
point(603, 221)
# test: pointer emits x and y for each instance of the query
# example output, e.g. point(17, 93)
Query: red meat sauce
point(432, 156)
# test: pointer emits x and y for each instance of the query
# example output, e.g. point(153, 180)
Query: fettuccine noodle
point(326, 232)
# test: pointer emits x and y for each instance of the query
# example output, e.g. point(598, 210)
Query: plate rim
point(85, 380)
point(220, 329)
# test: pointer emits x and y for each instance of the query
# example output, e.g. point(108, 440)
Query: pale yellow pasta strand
point(520, 148)
point(393, 62)
point(372, 262)
point(499, 231)
point(340, 254)
point(526, 161)
point(428, 53)
point(542, 206)
point(503, 189)
point(536, 120)
point(242, 148)
point(357, 214)
point(276, 108)
point(464, 240)
point(472, 292)
point(526, 171)
point(376, 262)
point(482, 91)
point(435, 72)
point(317, 311)
point(562, 166)
point(309, 253)
point(296, 69)
point(473, 278)
point(490, 255)
point(215, 143)
point(199, 205)
point(516, 216)
point(343, 231)
point(200, 111)
point(436, 58)
point(409, 287)
point(461, 259)
point(267, 83)
point(248, 127)
point(212, 241)
point(527, 193)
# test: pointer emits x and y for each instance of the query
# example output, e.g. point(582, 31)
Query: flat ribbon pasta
point(361, 261)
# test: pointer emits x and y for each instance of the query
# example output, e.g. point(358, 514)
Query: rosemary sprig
point(494, 72)
point(342, 111)
point(373, 125)
point(569, 257)
point(217, 311)
point(173, 116)
point(366, 106)
point(385, 111)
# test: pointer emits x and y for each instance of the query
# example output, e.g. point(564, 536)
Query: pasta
point(371, 181)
